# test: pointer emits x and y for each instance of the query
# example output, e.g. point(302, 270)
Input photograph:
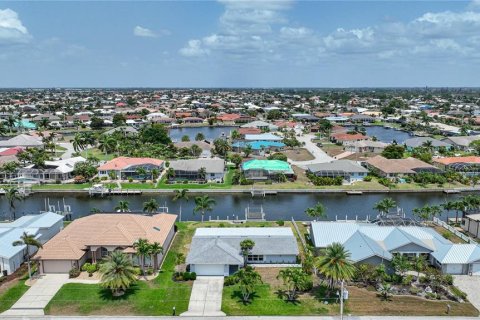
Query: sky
point(231, 43)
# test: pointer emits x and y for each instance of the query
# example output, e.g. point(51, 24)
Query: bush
point(138, 271)
point(325, 181)
point(448, 278)
point(278, 156)
point(368, 178)
point(91, 269)
point(74, 272)
point(407, 280)
point(189, 276)
point(281, 223)
point(149, 271)
point(447, 234)
point(130, 180)
point(104, 178)
point(423, 280)
point(230, 281)
point(414, 290)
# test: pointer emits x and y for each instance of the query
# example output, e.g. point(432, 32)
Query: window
point(255, 258)
point(103, 252)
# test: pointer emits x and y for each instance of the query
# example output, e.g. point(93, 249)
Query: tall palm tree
point(29, 241)
point(449, 206)
point(13, 194)
point(117, 273)
point(336, 264)
point(78, 142)
point(154, 250)
point(123, 206)
point(170, 173)
point(150, 206)
point(180, 195)
point(11, 121)
point(142, 247)
point(203, 204)
point(384, 205)
point(317, 211)
point(246, 247)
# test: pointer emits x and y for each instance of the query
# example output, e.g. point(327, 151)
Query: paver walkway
point(37, 297)
point(470, 285)
point(206, 297)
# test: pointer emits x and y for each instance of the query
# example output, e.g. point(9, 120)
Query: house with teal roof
point(263, 170)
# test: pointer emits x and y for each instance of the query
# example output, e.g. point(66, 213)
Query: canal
point(281, 206)
point(210, 133)
point(386, 135)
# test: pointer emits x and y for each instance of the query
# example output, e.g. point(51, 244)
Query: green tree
point(246, 247)
point(202, 173)
point(393, 151)
point(247, 278)
point(247, 150)
point(13, 195)
point(3, 129)
point(236, 159)
point(155, 134)
point(96, 123)
point(203, 204)
point(150, 206)
point(180, 195)
point(235, 135)
point(142, 248)
point(185, 138)
point(199, 137)
point(221, 147)
point(419, 265)
point(384, 205)
point(117, 273)
point(335, 264)
point(170, 174)
point(29, 241)
point(401, 264)
point(154, 250)
point(119, 120)
point(195, 150)
point(123, 206)
point(317, 211)
point(385, 291)
point(294, 280)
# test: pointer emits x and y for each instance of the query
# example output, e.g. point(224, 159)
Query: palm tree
point(154, 250)
point(122, 206)
point(151, 206)
point(247, 278)
point(142, 247)
point(11, 121)
point(141, 172)
point(3, 129)
point(117, 273)
point(195, 150)
point(28, 240)
point(180, 195)
point(199, 137)
point(170, 173)
point(449, 206)
point(247, 150)
point(336, 264)
point(78, 142)
point(385, 291)
point(202, 173)
point(13, 194)
point(246, 247)
point(384, 205)
point(318, 211)
point(203, 204)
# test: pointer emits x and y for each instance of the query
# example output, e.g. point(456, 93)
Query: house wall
point(375, 260)
point(412, 248)
point(290, 259)
point(471, 226)
point(455, 268)
point(12, 263)
point(48, 233)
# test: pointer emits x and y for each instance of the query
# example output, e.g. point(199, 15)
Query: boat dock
point(262, 192)
point(354, 193)
point(100, 190)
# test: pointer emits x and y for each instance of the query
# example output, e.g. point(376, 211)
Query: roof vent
point(156, 228)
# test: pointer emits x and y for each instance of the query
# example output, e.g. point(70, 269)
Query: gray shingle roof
point(210, 165)
point(347, 166)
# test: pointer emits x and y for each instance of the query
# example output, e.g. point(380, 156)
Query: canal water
point(210, 133)
point(387, 135)
point(281, 206)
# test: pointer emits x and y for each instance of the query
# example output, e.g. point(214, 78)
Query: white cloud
point(194, 49)
point(12, 29)
point(144, 32)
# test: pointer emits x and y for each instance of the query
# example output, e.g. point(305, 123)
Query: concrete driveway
point(37, 297)
point(470, 285)
point(206, 297)
point(319, 155)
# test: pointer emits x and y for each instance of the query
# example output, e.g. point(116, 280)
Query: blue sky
point(231, 43)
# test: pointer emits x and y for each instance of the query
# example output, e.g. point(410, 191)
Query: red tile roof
point(121, 163)
point(450, 160)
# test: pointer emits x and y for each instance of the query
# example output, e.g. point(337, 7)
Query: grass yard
point(12, 294)
point(97, 153)
point(227, 184)
point(70, 186)
point(301, 154)
point(138, 186)
point(151, 298)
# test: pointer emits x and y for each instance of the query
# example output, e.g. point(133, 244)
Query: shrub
point(447, 234)
point(281, 223)
point(189, 276)
point(230, 281)
point(85, 266)
point(150, 271)
point(91, 268)
point(130, 180)
point(193, 276)
point(138, 271)
point(74, 272)
point(407, 280)
point(104, 178)
point(448, 278)
point(368, 178)
point(414, 290)
point(423, 280)
point(278, 156)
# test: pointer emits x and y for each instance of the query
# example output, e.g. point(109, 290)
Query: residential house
point(267, 169)
point(259, 147)
point(392, 168)
point(262, 125)
point(42, 226)
point(263, 137)
point(56, 171)
point(216, 251)
point(93, 237)
point(191, 120)
point(365, 146)
point(423, 141)
point(471, 224)
point(356, 118)
point(347, 138)
point(245, 131)
point(190, 169)
point(126, 131)
point(469, 166)
point(376, 244)
point(461, 142)
point(124, 168)
point(349, 170)
point(204, 146)
point(22, 140)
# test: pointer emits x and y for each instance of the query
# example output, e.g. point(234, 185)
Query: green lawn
point(227, 184)
point(138, 186)
point(97, 153)
point(70, 186)
point(9, 297)
point(266, 301)
point(147, 298)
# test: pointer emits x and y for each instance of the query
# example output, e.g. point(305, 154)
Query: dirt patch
point(333, 150)
point(269, 275)
point(298, 154)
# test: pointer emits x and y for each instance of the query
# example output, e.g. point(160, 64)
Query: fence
point(462, 236)
point(300, 235)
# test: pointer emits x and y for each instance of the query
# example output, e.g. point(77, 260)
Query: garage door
point(57, 266)
point(209, 269)
point(475, 269)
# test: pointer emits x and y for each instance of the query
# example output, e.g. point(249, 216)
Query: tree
point(335, 264)
point(155, 134)
point(385, 291)
point(236, 159)
point(29, 241)
point(195, 150)
point(185, 138)
point(13, 195)
point(294, 280)
point(221, 147)
point(393, 151)
point(384, 205)
point(247, 278)
point(246, 247)
point(142, 248)
point(119, 120)
point(427, 212)
point(123, 206)
point(170, 173)
point(419, 265)
point(199, 137)
point(247, 150)
point(154, 250)
point(85, 169)
point(317, 211)
point(235, 135)
point(202, 173)
point(3, 129)
point(96, 123)
point(401, 264)
point(78, 142)
point(203, 204)
point(278, 156)
point(180, 195)
point(150, 206)
point(117, 273)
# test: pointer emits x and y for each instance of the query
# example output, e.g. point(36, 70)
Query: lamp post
point(341, 301)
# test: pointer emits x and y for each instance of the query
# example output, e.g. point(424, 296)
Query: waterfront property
point(42, 226)
point(375, 244)
point(125, 168)
point(95, 236)
point(425, 141)
point(191, 170)
point(52, 172)
point(347, 138)
point(366, 146)
point(216, 251)
point(259, 147)
point(22, 140)
point(267, 170)
point(262, 125)
point(349, 170)
point(469, 166)
point(392, 168)
point(263, 137)
point(461, 142)
point(204, 146)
